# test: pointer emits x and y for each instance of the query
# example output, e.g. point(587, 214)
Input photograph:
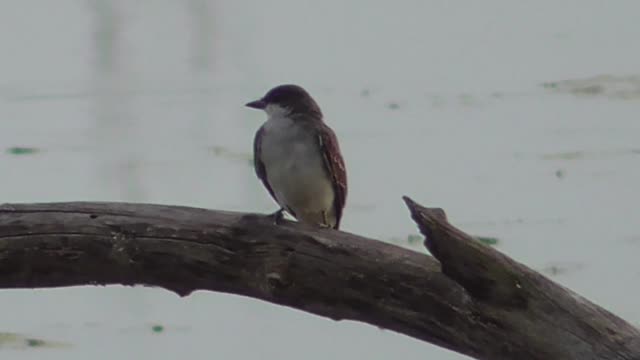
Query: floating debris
point(491, 241)
point(414, 239)
point(22, 150)
point(393, 106)
point(559, 173)
point(157, 328)
point(18, 341)
point(569, 155)
point(617, 87)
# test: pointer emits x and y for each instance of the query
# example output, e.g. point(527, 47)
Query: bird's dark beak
point(258, 104)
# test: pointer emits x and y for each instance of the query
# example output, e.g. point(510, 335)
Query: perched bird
point(297, 157)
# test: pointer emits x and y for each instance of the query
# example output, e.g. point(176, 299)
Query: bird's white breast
point(295, 167)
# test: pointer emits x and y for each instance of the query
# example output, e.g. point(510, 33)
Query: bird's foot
point(325, 224)
point(277, 217)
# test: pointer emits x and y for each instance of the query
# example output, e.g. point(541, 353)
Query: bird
point(297, 157)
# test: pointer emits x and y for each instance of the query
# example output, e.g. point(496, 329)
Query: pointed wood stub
point(549, 318)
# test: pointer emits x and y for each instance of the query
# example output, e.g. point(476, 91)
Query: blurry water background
point(521, 119)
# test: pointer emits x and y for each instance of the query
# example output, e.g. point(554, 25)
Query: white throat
point(276, 111)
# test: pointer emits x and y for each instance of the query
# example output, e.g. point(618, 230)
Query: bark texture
point(470, 298)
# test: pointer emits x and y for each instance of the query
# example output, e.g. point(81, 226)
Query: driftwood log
point(470, 298)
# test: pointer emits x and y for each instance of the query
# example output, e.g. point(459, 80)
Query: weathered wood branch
point(474, 300)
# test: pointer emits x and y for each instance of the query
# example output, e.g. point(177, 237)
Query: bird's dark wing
point(258, 165)
point(334, 164)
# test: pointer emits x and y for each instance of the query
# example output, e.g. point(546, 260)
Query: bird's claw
point(325, 223)
point(277, 217)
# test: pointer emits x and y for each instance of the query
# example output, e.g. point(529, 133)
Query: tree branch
point(481, 303)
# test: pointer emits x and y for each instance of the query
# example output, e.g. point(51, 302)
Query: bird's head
point(287, 100)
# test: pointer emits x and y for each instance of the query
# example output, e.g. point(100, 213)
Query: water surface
point(463, 106)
